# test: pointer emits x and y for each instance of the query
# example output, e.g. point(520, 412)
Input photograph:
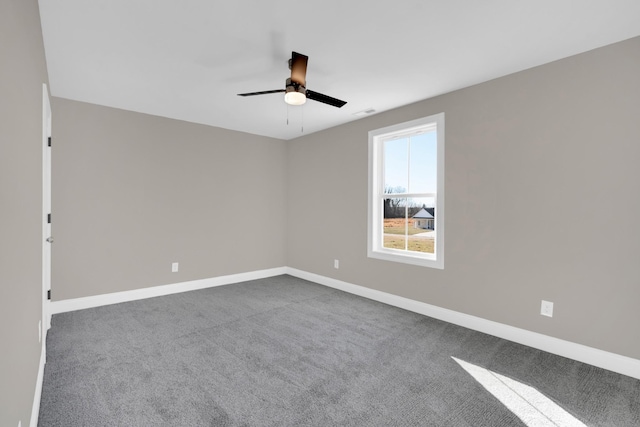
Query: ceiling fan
point(295, 91)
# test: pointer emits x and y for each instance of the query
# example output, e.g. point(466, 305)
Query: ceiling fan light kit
point(295, 91)
point(295, 94)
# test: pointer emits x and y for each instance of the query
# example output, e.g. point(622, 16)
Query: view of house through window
point(405, 191)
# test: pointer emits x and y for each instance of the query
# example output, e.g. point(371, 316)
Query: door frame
point(46, 210)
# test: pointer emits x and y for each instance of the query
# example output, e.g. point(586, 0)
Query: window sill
point(423, 260)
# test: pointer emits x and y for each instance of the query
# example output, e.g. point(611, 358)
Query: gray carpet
point(286, 352)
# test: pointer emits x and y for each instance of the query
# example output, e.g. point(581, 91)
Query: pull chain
point(301, 118)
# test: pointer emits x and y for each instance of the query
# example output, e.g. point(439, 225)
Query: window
point(406, 192)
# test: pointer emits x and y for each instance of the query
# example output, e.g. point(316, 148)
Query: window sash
point(377, 195)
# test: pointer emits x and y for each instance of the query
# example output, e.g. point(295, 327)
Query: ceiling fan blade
point(325, 99)
point(264, 92)
point(298, 67)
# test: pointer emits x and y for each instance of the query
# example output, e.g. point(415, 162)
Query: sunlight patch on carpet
point(527, 403)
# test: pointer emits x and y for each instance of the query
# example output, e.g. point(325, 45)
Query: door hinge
point(49, 142)
point(49, 294)
point(48, 218)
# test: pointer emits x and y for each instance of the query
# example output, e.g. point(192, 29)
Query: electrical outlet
point(546, 308)
point(336, 263)
point(174, 267)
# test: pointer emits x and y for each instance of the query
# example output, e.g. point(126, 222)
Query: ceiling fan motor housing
point(292, 86)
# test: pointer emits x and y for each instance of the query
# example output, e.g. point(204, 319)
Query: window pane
point(421, 224)
point(395, 223)
point(396, 166)
point(423, 165)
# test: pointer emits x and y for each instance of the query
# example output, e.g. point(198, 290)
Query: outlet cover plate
point(546, 308)
point(174, 267)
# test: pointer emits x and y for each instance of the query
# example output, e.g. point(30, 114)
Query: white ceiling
point(188, 59)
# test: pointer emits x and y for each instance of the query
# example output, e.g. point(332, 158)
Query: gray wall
point(22, 73)
point(133, 193)
point(542, 202)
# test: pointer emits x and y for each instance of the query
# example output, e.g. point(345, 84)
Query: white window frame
point(376, 193)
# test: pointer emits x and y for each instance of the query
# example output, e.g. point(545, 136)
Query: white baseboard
point(592, 356)
point(35, 408)
point(156, 291)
